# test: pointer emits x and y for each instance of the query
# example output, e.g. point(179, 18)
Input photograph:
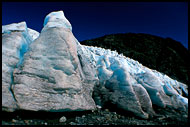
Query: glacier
point(159, 88)
point(52, 71)
point(16, 40)
point(56, 19)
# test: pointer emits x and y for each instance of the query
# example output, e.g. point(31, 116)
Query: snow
point(56, 19)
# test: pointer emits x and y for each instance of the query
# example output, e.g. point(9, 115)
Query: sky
point(95, 19)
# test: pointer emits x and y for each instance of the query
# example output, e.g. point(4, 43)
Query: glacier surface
point(119, 73)
point(16, 41)
point(56, 19)
point(52, 71)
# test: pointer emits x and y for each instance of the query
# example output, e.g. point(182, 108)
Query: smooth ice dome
point(56, 19)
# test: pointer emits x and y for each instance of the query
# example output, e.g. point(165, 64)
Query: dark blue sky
point(94, 19)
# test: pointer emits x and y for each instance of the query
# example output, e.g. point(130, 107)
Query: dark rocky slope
point(97, 117)
point(162, 54)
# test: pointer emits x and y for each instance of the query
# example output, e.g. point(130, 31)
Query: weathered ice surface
point(34, 34)
point(51, 77)
point(56, 73)
point(133, 87)
point(15, 41)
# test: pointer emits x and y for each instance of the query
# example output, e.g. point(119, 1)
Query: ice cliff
point(52, 71)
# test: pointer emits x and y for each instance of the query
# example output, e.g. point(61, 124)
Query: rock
point(14, 121)
point(99, 119)
point(98, 106)
point(26, 121)
point(185, 116)
point(161, 118)
point(62, 119)
point(123, 117)
point(107, 110)
point(77, 119)
point(72, 123)
point(115, 117)
point(17, 117)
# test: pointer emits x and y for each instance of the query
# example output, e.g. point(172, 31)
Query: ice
point(15, 43)
point(24, 45)
point(34, 34)
point(56, 19)
point(20, 27)
point(22, 37)
point(14, 27)
point(113, 70)
point(183, 99)
point(109, 64)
